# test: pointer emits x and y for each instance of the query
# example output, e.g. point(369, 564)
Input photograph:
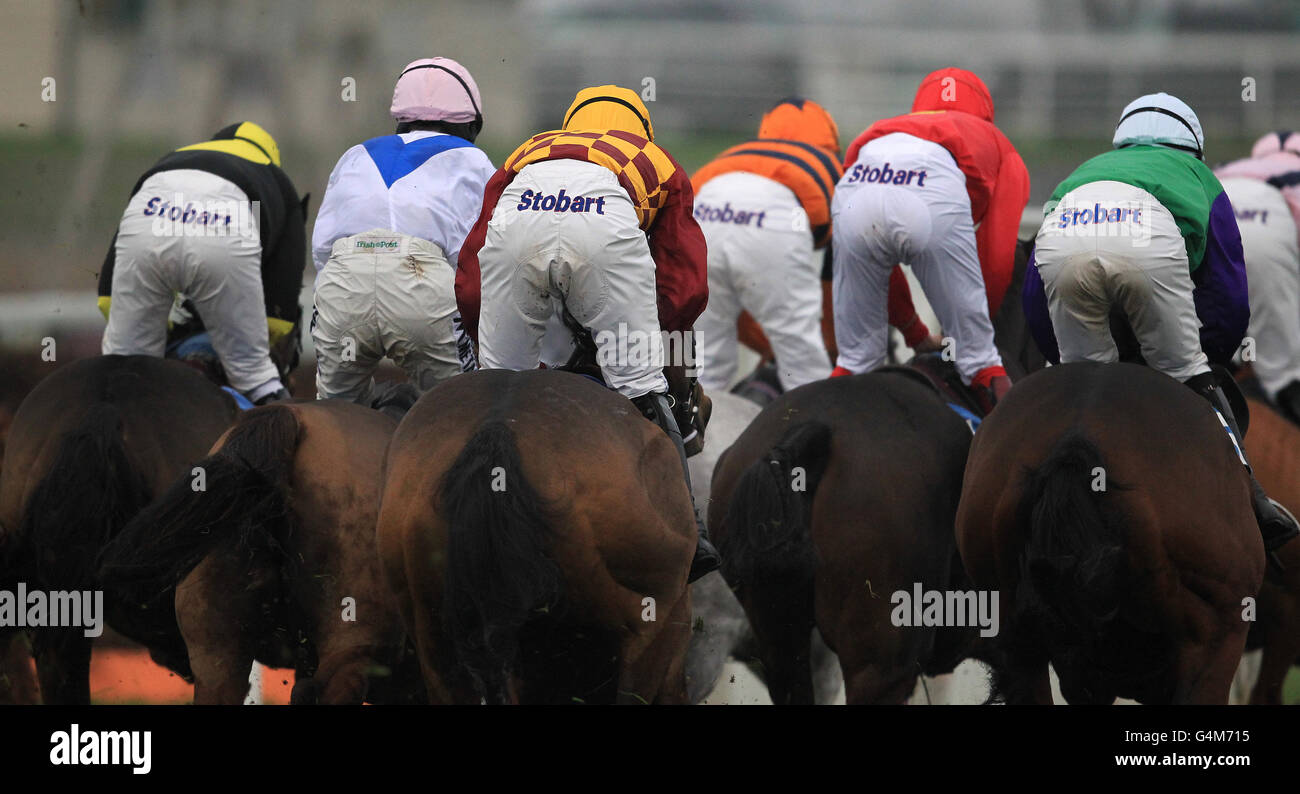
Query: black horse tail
point(1073, 569)
point(237, 497)
point(91, 490)
point(767, 549)
point(498, 571)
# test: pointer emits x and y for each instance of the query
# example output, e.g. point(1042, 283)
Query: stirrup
point(1290, 518)
point(706, 559)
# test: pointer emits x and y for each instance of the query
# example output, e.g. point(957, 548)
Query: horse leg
point(1204, 673)
point(431, 646)
point(343, 677)
point(785, 649)
point(215, 623)
point(1275, 663)
point(872, 684)
point(63, 665)
point(1022, 681)
point(17, 681)
point(673, 643)
point(652, 659)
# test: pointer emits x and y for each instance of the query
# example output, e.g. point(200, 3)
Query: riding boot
point(279, 395)
point(654, 406)
point(1288, 401)
point(1276, 523)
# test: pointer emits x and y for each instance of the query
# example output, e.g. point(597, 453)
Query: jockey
point(390, 227)
point(1265, 193)
point(193, 226)
point(765, 207)
point(592, 220)
point(1147, 229)
point(942, 189)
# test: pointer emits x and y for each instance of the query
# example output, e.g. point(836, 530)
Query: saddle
point(941, 375)
point(1131, 351)
point(188, 341)
point(691, 407)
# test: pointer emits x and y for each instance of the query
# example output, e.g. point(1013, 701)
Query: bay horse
point(88, 448)
point(720, 629)
point(841, 493)
point(1274, 449)
point(1104, 505)
point(537, 532)
point(274, 558)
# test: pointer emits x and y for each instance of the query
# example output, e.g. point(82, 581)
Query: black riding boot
point(655, 407)
point(1288, 401)
point(1276, 523)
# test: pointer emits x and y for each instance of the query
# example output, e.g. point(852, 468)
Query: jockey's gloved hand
point(931, 343)
point(990, 385)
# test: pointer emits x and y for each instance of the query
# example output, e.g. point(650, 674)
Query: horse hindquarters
point(186, 539)
point(768, 558)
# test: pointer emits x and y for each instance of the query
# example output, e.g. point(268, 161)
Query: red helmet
point(954, 89)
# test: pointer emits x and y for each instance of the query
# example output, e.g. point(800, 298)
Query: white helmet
point(1162, 120)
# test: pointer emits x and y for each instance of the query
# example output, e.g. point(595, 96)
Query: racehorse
point(1275, 456)
point(838, 496)
point(88, 448)
point(274, 558)
point(1105, 506)
point(719, 627)
point(538, 533)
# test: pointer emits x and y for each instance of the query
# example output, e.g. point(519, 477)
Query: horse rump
point(236, 497)
point(498, 569)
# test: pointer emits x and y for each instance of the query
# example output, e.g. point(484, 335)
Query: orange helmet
point(954, 89)
point(795, 119)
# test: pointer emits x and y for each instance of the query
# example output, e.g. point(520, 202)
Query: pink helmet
point(436, 89)
point(1274, 142)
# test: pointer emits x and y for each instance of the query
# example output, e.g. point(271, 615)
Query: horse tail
point(498, 572)
point(767, 548)
point(1073, 570)
point(88, 494)
point(238, 496)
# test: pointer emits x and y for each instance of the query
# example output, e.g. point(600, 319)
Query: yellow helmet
point(609, 107)
point(243, 139)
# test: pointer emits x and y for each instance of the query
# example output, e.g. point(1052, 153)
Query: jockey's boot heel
point(654, 406)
